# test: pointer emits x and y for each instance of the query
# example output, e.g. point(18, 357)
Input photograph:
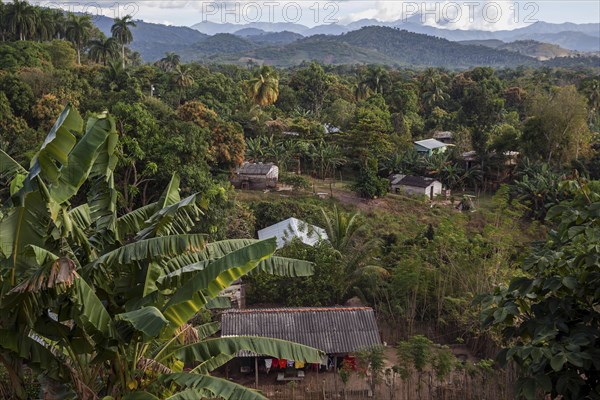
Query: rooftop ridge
point(297, 309)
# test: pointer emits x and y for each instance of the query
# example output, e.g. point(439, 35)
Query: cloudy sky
point(460, 14)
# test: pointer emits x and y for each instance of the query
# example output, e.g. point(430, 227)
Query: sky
point(461, 14)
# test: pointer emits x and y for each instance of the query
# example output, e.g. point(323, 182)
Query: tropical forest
point(398, 217)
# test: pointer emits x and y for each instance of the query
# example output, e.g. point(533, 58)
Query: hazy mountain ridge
point(368, 45)
point(531, 48)
point(154, 40)
point(404, 44)
point(581, 37)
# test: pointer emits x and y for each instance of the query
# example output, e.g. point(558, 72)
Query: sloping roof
point(396, 178)
point(248, 168)
point(330, 329)
point(442, 135)
point(416, 181)
point(291, 228)
point(430, 144)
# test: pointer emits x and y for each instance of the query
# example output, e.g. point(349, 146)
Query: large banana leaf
point(149, 249)
point(24, 225)
point(83, 156)
point(36, 354)
point(218, 387)
point(9, 168)
point(175, 219)
point(81, 216)
point(208, 329)
point(134, 221)
point(209, 351)
point(102, 196)
point(170, 195)
point(55, 150)
point(89, 311)
point(148, 320)
point(153, 273)
point(191, 394)
point(219, 274)
point(280, 266)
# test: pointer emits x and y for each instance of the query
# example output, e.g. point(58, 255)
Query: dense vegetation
point(187, 126)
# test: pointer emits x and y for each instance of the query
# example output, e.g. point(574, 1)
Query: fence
point(460, 385)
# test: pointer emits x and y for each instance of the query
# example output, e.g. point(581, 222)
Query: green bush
point(297, 181)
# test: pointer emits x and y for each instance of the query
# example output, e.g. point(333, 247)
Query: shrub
point(296, 181)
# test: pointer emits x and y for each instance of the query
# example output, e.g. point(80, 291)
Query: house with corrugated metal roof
point(415, 185)
point(292, 228)
point(256, 176)
point(430, 146)
point(337, 331)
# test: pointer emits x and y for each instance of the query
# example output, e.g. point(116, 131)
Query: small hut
point(256, 176)
point(415, 185)
point(337, 331)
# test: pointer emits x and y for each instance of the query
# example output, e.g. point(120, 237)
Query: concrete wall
point(419, 191)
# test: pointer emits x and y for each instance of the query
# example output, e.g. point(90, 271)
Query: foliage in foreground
point(551, 316)
point(98, 304)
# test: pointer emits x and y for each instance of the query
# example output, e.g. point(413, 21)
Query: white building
point(415, 185)
point(291, 228)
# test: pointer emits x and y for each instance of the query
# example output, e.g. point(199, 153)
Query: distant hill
point(579, 37)
point(245, 32)
point(417, 49)
point(530, 48)
point(570, 40)
point(285, 44)
point(491, 43)
point(369, 45)
point(212, 28)
point(221, 44)
point(266, 38)
point(154, 40)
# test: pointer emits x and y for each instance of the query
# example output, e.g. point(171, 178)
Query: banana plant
point(98, 303)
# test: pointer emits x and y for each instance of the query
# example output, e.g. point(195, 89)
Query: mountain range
point(579, 37)
point(365, 41)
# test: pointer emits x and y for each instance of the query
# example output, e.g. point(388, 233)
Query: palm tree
point(78, 32)
point(59, 21)
point(103, 50)
point(21, 19)
point(361, 91)
point(135, 59)
point(169, 62)
point(127, 284)
point(263, 88)
point(115, 76)
point(433, 88)
point(3, 23)
point(120, 31)
point(183, 80)
point(44, 27)
point(341, 228)
point(377, 79)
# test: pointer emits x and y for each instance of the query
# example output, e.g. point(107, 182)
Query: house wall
point(254, 182)
point(420, 191)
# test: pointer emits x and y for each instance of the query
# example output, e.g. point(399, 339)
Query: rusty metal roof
point(333, 330)
point(256, 168)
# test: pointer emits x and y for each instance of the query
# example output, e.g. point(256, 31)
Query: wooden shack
point(256, 176)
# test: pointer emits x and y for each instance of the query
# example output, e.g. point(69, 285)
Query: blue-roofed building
point(430, 146)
